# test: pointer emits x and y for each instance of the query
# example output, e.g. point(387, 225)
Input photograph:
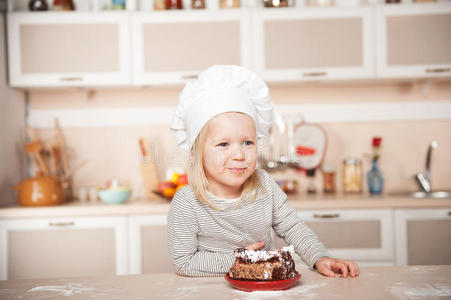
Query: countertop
point(412, 282)
point(161, 206)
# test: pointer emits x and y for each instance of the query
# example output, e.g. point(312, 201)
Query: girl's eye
point(248, 143)
point(223, 144)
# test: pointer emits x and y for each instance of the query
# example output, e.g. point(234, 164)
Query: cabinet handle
point(314, 74)
point(61, 224)
point(438, 70)
point(326, 216)
point(191, 76)
point(71, 78)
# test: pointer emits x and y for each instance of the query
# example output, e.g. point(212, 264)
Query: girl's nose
point(238, 153)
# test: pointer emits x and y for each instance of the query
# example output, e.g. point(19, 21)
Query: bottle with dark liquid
point(174, 4)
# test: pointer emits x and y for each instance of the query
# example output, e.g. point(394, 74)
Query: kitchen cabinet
point(173, 47)
point(68, 49)
point(133, 47)
point(365, 236)
point(57, 247)
point(423, 236)
point(148, 244)
point(413, 40)
point(313, 43)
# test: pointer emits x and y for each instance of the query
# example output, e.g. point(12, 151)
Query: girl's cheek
point(216, 159)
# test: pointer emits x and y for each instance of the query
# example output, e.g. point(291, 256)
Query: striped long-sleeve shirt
point(201, 240)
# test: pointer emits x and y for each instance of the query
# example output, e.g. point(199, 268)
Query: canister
point(352, 175)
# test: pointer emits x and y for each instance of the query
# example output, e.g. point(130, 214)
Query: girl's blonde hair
point(199, 182)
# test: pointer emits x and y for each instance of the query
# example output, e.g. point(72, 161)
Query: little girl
point(228, 204)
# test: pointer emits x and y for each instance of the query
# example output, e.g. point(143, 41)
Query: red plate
point(249, 286)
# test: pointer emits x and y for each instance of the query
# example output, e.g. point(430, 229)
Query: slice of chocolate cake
point(263, 265)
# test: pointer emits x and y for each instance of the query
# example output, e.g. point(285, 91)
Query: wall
point(112, 151)
point(12, 123)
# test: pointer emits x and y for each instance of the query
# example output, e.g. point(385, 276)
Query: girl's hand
point(329, 266)
point(255, 246)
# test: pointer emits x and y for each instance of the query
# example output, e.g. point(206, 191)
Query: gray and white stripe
point(201, 240)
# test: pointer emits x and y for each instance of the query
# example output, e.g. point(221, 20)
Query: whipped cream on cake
point(263, 264)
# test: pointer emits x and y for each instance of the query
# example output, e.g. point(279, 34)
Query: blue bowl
point(114, 196)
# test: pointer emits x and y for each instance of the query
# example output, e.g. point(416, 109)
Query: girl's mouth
point(237, 170)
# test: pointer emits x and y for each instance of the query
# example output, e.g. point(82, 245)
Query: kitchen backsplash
point(113, 151)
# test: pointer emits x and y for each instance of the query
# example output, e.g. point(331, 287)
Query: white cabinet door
point(314, 43)
point(173, 47)
point(423, 236)
point(365, 236)
point(68, 49)
point(148, 245)
point(413, 40)
point(56, 247)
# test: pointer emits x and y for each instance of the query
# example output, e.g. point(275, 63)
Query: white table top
point(413, 282)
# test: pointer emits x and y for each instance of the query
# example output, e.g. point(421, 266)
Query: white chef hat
point(219, 89)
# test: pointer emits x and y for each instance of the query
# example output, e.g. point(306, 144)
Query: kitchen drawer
point(360, 235)
point(63, 247)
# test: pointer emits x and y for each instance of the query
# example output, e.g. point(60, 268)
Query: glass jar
point(288, 186)
point(38, 5)
point(229, 3)
point(328, 179)
point(63, 5)
point(352, 175)
point(174, 4)
point(197, 4)
point(319, 2)
point(159, 4)
point(275, 3)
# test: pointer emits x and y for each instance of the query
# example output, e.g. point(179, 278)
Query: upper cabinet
point(414, 40)
point(68, 49)
point(314, 43)
point(140, 47)
point(173, 47)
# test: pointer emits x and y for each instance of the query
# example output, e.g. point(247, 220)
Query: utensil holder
point(150, 179)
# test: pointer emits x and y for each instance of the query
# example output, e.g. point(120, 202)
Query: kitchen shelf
point(211, 5)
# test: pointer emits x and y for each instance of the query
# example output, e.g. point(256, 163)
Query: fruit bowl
point(114, 195)
point(167, 189)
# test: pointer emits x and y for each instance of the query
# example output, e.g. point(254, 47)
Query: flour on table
point(69, 289)
point(405, 291)
point(423, 269)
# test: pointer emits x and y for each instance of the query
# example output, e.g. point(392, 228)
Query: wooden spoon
point(62, 147)
point(35, 148)
point(56, 158)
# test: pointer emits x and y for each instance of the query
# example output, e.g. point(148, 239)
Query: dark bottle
point(311, 188)
point(38, 5)
point(174, 4)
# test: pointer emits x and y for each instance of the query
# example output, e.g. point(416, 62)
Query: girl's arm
point(182, 243)
point(289, 226)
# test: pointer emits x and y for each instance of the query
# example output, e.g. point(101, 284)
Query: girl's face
point(230, 153)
